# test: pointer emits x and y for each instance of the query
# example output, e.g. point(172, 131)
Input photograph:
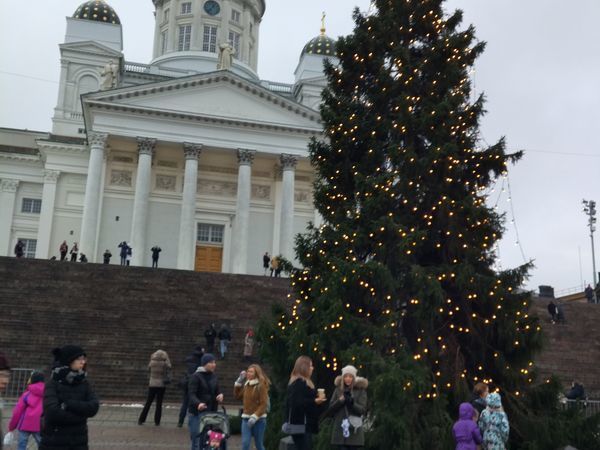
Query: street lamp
point(589, 208)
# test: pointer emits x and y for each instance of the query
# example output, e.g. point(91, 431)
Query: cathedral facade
point(191, 152)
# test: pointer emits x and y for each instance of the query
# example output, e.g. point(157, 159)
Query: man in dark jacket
point(155, 253)
point(204, 396)
point(19, 249)
point(210, 334)
point(192, 362)
point(68, 402)
point(589, 294)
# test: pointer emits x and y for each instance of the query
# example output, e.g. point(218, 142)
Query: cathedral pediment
point(90, 47)
point(221, 96)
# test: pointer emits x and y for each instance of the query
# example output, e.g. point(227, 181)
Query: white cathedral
point(191, 152)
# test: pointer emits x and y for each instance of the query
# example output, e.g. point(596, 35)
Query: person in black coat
point(192, 362)
point(302, 403)
point(68, 402)
point(210, 335)
point(155, 254)
point(577, 392)
point(204, 396)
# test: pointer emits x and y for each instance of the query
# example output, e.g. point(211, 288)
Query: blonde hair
point(302, 370)
point(262, 378)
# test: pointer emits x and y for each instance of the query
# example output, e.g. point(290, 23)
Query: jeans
point(257, 432)
point(159, 393)
point(185, 403)
point(223, 347)
point(198, 439)
point(302, 441)
point(154, 263)
point(24, 439)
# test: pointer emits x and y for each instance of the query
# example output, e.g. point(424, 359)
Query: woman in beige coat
point(160, 376)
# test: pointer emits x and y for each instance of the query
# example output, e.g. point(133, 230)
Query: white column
point(242, 211)
point(140, 203)
point(89, 221)
point(46, 214)
point(187, 225)
point(8, 195)
point(286, 239)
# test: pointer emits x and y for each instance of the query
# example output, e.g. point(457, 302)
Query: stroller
point(214, 430)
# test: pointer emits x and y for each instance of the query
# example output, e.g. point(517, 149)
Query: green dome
point(98, 11)
point(321, 45)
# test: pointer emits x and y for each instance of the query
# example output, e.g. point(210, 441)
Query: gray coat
point(160, 369)
point(339, 411)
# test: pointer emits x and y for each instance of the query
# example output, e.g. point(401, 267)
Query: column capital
point(191, 151)
point(97, 139)
point(51, 176)
point(9, 185)
point(288, 162)
point(245, 156)
point(146, 146)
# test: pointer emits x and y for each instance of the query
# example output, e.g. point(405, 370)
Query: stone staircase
point(120, 315)
point(572, 350)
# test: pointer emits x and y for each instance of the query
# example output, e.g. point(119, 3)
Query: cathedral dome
point(321, 45)
point(97, 10)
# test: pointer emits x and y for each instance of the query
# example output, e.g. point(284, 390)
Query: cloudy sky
point(540, 73)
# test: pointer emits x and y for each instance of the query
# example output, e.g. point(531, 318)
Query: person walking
point(205, 396)
point(123, 252)
point(160, 376)
point(19, 249)
point(69, 402)
point(347, 407)
point(4, 379)
point(224, 339)
point(494, 425)
point(192, 362)
point(63, 250)
point(266, 262)
point(106, 256)
point(553, 311)
point(252, 387)
point(465, 430)
point(155, 253)
point(589, 293)
point(27, 413)
point(302, 402)
point(248, 345)
point(210, 335)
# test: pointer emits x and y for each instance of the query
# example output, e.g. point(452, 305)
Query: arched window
point(87, 83)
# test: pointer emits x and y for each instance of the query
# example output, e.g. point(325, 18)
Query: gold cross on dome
point(323, 23)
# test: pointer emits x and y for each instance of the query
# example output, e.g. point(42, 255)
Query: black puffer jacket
point(68, 403)
point(301, 407)
point(203, 388)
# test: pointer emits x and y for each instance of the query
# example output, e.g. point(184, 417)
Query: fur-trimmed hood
point(359, 382)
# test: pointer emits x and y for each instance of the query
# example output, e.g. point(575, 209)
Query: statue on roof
point(225, 56)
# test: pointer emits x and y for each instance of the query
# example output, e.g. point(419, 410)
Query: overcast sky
point(540, 73)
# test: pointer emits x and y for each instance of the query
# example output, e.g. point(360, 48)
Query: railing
point(568, 291)
point(587, 407)
point(274, 86)
point(19, 379)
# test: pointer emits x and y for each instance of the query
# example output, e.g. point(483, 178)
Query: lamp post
point(589, 208)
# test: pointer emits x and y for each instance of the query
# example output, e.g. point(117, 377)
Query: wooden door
point(208, 258)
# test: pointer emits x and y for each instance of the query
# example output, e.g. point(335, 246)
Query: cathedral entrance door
point(208, 258)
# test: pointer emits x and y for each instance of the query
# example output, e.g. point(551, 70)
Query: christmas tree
point(400, 278)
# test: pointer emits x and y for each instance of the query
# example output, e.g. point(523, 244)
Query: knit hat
point(4, 362)
point(207, 358)
point(67, 354)
point(349, 370)
point(36, 377)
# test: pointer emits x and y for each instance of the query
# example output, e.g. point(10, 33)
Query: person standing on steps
point(123, 252)
point(63, 250)
point(155, 253)
point(20, 249)
point(160, 376)
point(107, 255)
point(205, 396)
point(210, 335)
point(266, 262)
point(69, 402)
point(74, 252)
point(224, 339)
